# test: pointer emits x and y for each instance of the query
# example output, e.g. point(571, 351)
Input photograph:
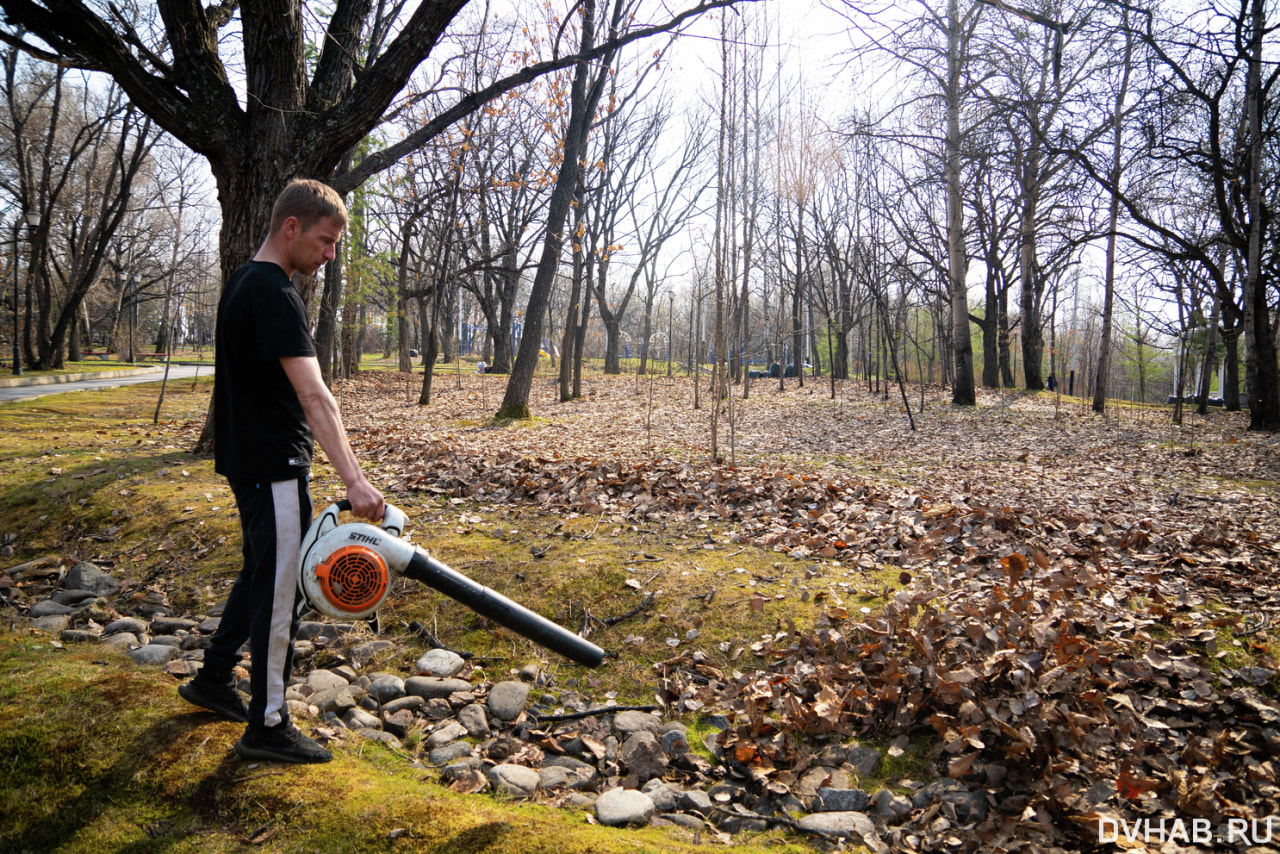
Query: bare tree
point(587, 89)
point(1205, 133)
point(1113, 215)
point(76, 154)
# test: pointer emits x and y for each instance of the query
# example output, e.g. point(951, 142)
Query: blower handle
point(393, 518)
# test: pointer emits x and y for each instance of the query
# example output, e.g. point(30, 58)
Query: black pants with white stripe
point(264, 607)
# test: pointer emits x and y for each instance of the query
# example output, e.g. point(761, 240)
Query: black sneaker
point(280, 743)
point(223, 700)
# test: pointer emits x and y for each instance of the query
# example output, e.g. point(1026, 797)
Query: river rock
point(318, 632)
point(398, 723)
point(865, 760)
point(619, 807)
point(816, 778)
point(682, 820)
point(153, 653)
point(433, 687)
point(125, 624)
point(448, 733)
point(386, 687)
point(694, 800)
point(49, 608)
point(410, 703)
point(578, 801)
point(632, 721)
point(662, 795)
point(86, 576)
point(891, 807)
point(182, 668)
point(366, 653)
point(321, 680)
point(465, 770)
point(336, 700)
point(475, 720)
point(514, 780)
point(841, 800)
point(584, 770)
point(54, 624)
point(382, 736)
point(72, 597)
point(507, 699)
point(358, 718)
point(442, 663)
point(643, 756)
point(674, 743)
point(437, 708)
point(449, 753)
point(831, 756)
point(171, 625)
point(855, 824)
point(739, 819)
point(555, 777)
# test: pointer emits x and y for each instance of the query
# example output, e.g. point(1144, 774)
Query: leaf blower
point(345, 572)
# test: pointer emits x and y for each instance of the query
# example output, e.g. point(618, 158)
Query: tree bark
point(584, 97)
point(1262, 375)
point(1113, 218)
point(962, 392)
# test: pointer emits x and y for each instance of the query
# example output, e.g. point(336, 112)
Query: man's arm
point(326, 424)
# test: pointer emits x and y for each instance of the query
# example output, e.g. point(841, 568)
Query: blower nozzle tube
point(489, 603)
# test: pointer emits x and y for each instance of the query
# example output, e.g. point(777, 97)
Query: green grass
point(99, 755)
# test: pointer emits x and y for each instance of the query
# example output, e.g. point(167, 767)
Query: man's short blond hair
point(308, 202)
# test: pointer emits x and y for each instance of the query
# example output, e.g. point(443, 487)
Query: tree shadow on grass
point(104, 791)
point(482, 837)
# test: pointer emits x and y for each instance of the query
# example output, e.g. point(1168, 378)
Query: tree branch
point(381, 160)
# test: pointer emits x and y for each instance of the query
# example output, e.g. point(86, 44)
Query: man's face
point(315, 246)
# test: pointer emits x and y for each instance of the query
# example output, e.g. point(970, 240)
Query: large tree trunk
point(403, 361)
point(797, 300)
point(1113, 217)
point(1210, 360)
point(1029, 272)
point(1262, 376)
point(580, 332)
point(962, 392)
point(583, 101)
point(570, 354)
point(1231, 367)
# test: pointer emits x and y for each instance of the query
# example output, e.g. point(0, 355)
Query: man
point(269, 402)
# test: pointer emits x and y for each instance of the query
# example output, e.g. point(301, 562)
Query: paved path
point(141, 375)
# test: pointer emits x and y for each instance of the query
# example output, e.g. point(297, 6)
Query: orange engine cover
point(353, 579)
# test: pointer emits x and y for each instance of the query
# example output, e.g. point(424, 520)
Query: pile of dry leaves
point(1078, 592)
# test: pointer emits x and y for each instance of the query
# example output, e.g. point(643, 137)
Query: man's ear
point(291, 228)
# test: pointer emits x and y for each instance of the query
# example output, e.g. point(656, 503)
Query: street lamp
point(32, 219)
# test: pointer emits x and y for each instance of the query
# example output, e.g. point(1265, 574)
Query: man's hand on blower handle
point(366, 502)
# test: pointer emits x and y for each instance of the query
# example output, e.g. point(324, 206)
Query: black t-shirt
point(260, 429)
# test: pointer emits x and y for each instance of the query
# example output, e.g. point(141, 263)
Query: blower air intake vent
point(353, 578)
